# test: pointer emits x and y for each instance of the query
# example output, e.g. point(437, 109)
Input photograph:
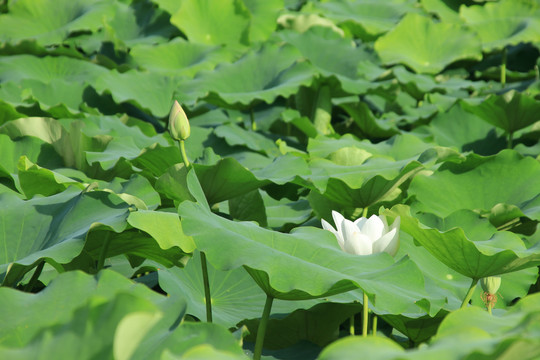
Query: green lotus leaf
point(136, 190)
point(304, 325)
point(227, 288)
point(136, 23)
point(54, 227)
point(295, 267)
point(283, 212)
point(70, 142)
point(214, 23)
point(263, 75)
point(134, 247)
point(476, 258)
point(446, 10)
point(466, 131)
point(105, 315)
point(344, 67)
point(415, 43)
point(178, 57)
point(503, 23)
point(472, 328)
point(151, 92)
point(235, 135)
point(248, 207)
point(369, 125)
point(47, 69)
point(510, 111)
point(471, 184)
point(51, 22)
point(366, 19)
point(263, 18)
point(164, 227)
point(33, 180)
point(33, 148)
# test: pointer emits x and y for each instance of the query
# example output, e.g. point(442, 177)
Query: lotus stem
point(489, 308)
point(374, 324)
point(207, 297)
point(103, 252)
point(35, 276)
point(364, 212)
point(253, 123)
point(351, 325)
point(503, 68)
point(510, 140)
point(365, 309)
point(261, 331)
point(470, 293)
point(183, 153)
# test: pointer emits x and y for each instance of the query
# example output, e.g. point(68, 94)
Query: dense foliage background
point(428, 110)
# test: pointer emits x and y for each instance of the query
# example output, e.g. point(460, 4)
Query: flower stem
point(261, 331)
point(183, 153)
point(364, 212)
point(351, 325)
point(374, 324)
point(470, 293)
point(207, 297)
point(489, 307)
point(365, 309)
point(510, 141)
point(35, 276)
point(103, 252)
point(503, 68)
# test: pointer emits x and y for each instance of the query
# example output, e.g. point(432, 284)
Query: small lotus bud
point(491, 284)
point(178, 123)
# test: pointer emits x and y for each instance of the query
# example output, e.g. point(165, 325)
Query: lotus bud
point(491, 284)
point(178, 123)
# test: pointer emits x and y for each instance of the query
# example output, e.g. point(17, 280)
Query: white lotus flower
point(365, 236)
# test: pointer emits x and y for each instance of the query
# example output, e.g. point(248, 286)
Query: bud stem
point(365, 309)
point(183, 153)
point(470, 292)
point(261, 331)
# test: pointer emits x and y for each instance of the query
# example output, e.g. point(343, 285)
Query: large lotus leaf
point(446, 10)
point(51, 22)
point(20, 67)
point(70, 142)
point(369, 125)
point(477, 257)
point(228, 178)
point(263, 16)
point(282, 212)
point(510, 111)
point(471, 184)
point(235, 135)
point(164, 227)
point(227, 288)
point(88, 317)
point(415, 42)
point(401, 147)
point(466, 131)
point(513, 334)
point(31, 314)
point(138, 22)
point(55, 227)
point(33, 180)
point(178, 57)
point(303, 265)
point(263, 75)
point(213, 22)
point(373, 189)
point(152, 92)
point(343, 66)
point(366, 18)
point(134, 244)
point(318, 325)
point(136, 190)
point(33, 148)
point(504, 23)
